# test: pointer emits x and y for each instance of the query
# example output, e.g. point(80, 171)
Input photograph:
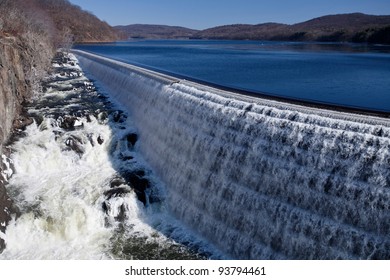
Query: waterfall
point(260, 179)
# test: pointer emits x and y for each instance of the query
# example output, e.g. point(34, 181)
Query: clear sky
point(201, 14)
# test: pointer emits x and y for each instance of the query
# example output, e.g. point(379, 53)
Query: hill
point(265, 31)
point(70, 19)
point(151, 31)
point(58, 19)
point(354, 27)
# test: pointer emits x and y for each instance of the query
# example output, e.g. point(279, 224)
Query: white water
point(260, 179)
point(62, 176)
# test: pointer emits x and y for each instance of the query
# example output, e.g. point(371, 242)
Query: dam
point(259, 178)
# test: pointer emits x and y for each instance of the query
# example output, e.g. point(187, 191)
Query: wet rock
point(22, 122)
point(116, 182)
point(120, 212)
point(75, 144)
point(125, 157)
point(115, 192)
point(68, 122)
point(119, 116)
point(140, 184)
point(6, 205)
point(131, 139)
point(90, 139)
point(38, 119)
point(100, 140)
point(102, 117)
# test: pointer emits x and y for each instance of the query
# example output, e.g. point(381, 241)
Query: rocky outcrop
point(20, 69)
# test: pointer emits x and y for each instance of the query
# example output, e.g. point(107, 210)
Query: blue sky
point(201, 14)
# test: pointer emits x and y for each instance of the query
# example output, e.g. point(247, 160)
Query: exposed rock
point(120, 191)
point(102, 117)
point(138, 183)
point(5, 206)
point(119, 116)
point(17, 59)
point(116, 182)
point(75, 144)
point(131, 139)
point(69, 123)
point(125, 157)
point(100, 140)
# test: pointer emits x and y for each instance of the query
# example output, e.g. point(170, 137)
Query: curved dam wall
point(260, 179)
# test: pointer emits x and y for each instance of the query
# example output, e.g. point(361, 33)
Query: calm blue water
point(344, 74)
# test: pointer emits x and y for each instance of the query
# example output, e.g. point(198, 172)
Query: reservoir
point(352, 75)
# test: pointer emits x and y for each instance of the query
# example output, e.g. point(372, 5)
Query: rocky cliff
point(20, 70)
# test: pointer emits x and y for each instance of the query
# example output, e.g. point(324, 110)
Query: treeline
point(355, 27)
point(56, 21)
point(373, 35)
point(27, 30)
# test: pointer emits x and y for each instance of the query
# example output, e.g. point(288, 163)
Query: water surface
point(353, 75)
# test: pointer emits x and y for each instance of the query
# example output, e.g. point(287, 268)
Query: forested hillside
point(354, 27)
point(151, 31)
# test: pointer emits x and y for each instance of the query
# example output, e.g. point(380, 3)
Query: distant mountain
point(150, 31)
point(355, 27)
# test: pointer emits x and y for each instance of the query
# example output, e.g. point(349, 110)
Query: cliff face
point(20, 70)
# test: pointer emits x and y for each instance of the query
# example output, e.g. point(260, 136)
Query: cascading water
point(260, 179)
point(81, 189)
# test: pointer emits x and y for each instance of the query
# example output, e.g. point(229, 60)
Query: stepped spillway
point(260, 179)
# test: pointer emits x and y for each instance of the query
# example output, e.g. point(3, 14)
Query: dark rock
point(21, 122)
point(105, 207)
point(122, 211)
point(138, 183)
point(100, 140)
point(102, 117)
point(67, 122)
point(125, 157)
point(75, 144)
point(90, 139)
point(119, 116)
point(38, 119)
point(131, 139)
point(5, 217)
point(116, 182)
point(115, 192)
